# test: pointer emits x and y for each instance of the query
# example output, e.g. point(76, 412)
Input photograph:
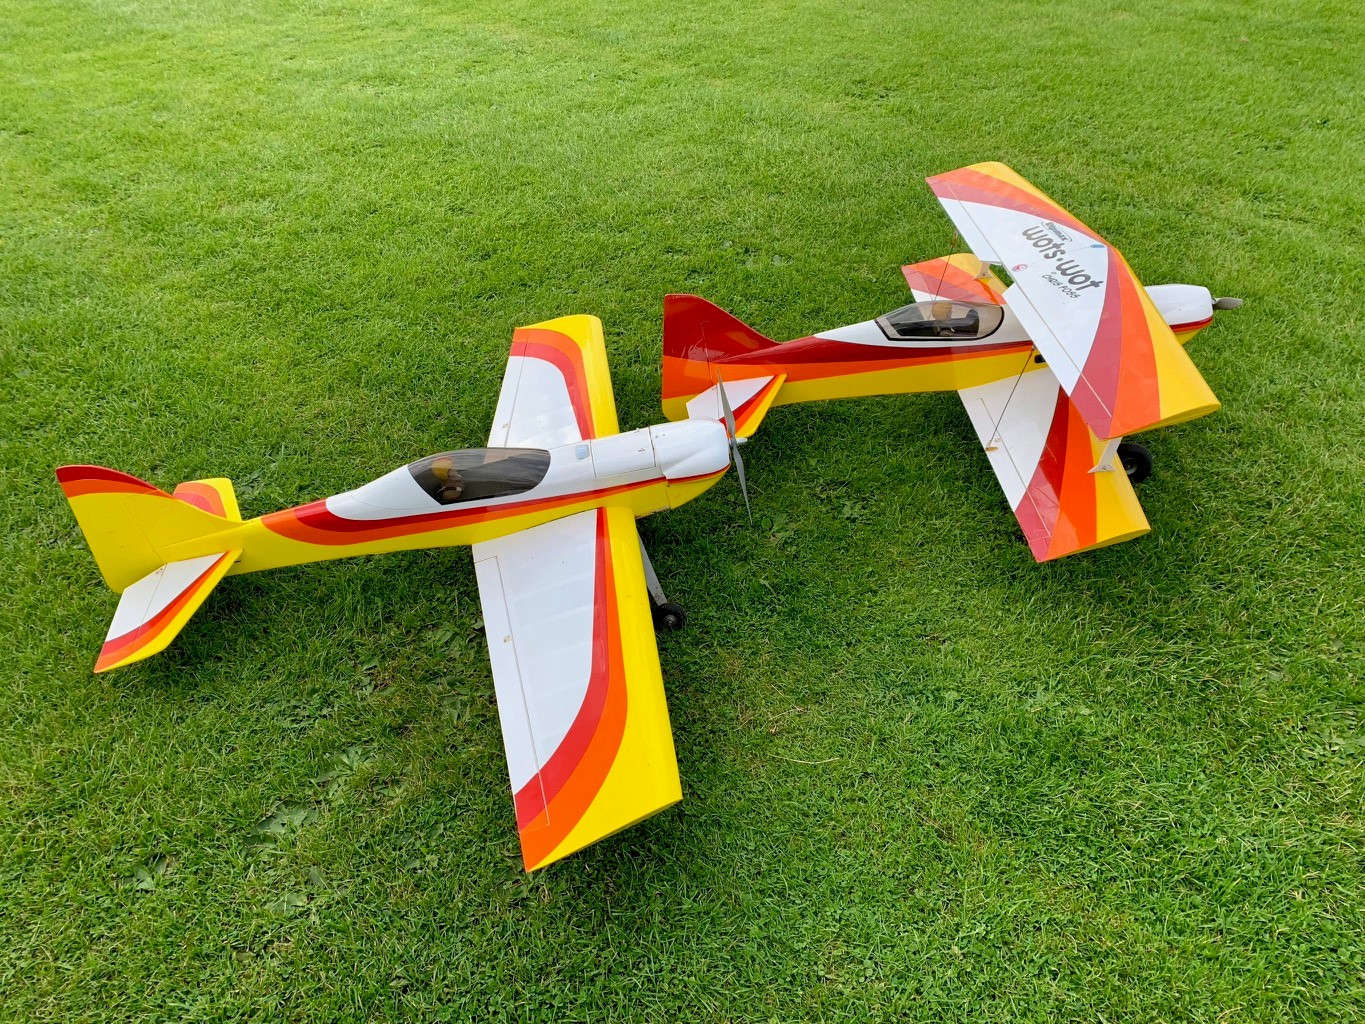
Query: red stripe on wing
point(563, 353)
point(573, 785)
point(969, 185)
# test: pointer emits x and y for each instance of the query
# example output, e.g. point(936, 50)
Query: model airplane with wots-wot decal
point(566, 588)
point(1054, 369)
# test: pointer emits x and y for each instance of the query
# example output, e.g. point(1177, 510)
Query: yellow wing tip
point(108, 664)
point(581, 327)
point(1117, 538)
point(576, 842)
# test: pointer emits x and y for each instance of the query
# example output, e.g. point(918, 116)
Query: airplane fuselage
point(861, 360)
point(645, 470)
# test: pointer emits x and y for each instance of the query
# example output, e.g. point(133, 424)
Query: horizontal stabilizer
point(155, 608)
point(1086, 311)
point(750, 399)
point(959, 278)
point(1043, 454)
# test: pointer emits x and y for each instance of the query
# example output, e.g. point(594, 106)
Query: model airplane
point(549, 508)
point(1054, 369)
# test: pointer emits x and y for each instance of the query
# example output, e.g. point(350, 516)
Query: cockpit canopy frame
point(942, 320)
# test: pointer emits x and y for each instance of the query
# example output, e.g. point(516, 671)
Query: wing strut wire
point(992, 445)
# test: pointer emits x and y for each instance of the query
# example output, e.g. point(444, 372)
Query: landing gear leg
point(667, 615)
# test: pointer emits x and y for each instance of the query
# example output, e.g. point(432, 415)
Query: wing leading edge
point(576, 669)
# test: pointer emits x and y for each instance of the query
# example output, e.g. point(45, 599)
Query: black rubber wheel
point(669, 617)
point(1136, 460)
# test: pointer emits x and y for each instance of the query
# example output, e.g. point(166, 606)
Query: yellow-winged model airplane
point(549, 508)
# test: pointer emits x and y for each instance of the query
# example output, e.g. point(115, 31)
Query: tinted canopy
point(942, 319)
point(478, 473)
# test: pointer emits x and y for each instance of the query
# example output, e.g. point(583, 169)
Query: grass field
point(925, 778)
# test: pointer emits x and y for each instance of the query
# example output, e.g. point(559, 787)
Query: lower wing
point(1045, 456)
point(576, 669)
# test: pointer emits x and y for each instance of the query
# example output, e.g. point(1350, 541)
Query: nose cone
point(1182, 305)
point(690, 448)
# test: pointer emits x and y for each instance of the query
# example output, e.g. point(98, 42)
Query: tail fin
point(697, 336)
point(133, 528)
point(162, 552)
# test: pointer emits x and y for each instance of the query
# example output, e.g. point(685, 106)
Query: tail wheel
point(1136, 460)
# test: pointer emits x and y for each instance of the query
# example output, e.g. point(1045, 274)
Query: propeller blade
point(743, 484)
point(725, 404)
point(735, 442)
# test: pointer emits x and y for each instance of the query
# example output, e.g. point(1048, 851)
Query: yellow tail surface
point(129, 524)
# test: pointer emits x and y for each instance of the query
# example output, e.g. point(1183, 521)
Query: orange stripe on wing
point(563, 353)
point(970, 185)
point(1040, 507)
point(1076, 522)
point(1136, 397)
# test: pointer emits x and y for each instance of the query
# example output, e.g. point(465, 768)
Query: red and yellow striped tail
point(134, 531)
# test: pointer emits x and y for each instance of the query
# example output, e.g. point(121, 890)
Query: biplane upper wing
point(576, 669)
point(1085, 310)
point(557, 387)
point(1042, 453)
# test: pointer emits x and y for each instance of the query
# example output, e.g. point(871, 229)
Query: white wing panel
point(1012, 418)
point(971, 234)
point(534, 407)
point(1059, 279)
point(1066, 368)
point(537, 589)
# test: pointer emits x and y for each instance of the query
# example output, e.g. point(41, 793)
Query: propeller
point(735, 442)
point(1227, 302)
